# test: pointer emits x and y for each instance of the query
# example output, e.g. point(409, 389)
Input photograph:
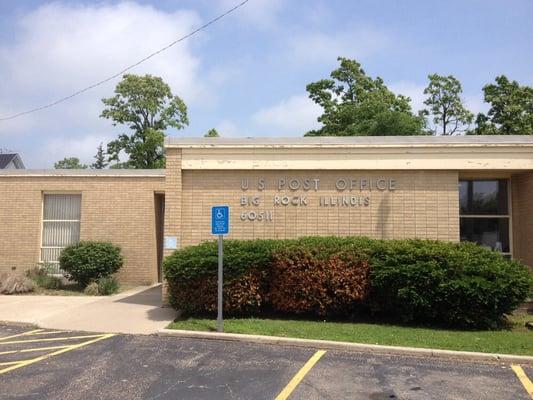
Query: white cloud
point(412, 90)
point(293, 116)
point(60, 48)
point(475, 103)
point(84, 148)
point(227, 128)
point(258, 13)
point(321, 47)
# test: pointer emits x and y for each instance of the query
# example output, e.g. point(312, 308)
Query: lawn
point(516, 339)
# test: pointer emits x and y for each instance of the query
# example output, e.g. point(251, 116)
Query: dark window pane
point(483, 197)
point(503, 197)
point(463, 196)
point(487, 232)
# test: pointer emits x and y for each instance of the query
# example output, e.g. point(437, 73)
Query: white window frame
point(44, 194)
point(508, 215)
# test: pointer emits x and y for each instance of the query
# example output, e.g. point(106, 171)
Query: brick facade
point(522, 217)
point(118, 209)
point(410, 190)
point(424, 204)
point(173, 213)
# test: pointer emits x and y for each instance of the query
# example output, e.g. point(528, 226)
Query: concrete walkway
point(134, 311)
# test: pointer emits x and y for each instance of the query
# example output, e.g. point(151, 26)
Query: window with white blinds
point(61, 224)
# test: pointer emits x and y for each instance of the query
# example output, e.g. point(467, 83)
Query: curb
point(20, 324)
point(355, 347)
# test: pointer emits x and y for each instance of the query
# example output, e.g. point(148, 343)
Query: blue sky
point(246, 75)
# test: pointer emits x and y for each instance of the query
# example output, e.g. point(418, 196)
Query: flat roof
point(353, 141)
point(85, 172)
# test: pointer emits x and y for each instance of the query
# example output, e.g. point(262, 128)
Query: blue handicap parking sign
point(220, 220)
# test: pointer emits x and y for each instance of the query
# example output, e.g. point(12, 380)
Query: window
point(484, 197)
point(484, 213)
point(61, 224)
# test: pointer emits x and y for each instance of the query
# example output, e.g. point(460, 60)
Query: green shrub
point(14, 284)
point(91, 289)
point(35, 273)
point(47, 268)
point(318, 284)
point(108, 285)
point(192, 276)
point(40, 276)
point(240, 256)
point(89, 261)
point(457, 284)
point(50, 282)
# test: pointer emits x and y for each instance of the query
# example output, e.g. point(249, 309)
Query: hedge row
point(456, 284)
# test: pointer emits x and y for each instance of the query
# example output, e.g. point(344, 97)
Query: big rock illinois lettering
point(294, 192)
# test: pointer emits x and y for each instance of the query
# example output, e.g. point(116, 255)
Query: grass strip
point(516, 339)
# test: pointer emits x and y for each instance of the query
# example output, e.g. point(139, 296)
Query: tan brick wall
point(424, 205)
point(522, 217)
point(173, 195)
point(173, 181)
point(115, 209)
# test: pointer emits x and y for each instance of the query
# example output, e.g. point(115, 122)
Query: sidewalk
point(135, 311)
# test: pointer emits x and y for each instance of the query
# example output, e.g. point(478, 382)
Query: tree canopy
point(146, 105)
point(446, 109)
point(69, 163)
point(99, 159)
point(212, 133)
point(511, 109)
point(355, 104)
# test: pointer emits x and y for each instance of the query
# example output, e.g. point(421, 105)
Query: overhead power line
point(63, 99)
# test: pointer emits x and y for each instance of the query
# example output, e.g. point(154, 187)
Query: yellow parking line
point(33, 349)
point(12, 362)
point(55, 353)
point(524, 379)
point(46, 333)
point(49, 339)
point(286, 392)
point(21, 334)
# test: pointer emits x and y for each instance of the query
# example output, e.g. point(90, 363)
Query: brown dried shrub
point(13, 284)
point(91, 289)
point(304, 282)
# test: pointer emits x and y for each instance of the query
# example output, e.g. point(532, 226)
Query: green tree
point(212, 133)
point(511, 109)
point(100, 161)
point(146, 105)
point(446, 109)
point(69, 163)
point(355, 104)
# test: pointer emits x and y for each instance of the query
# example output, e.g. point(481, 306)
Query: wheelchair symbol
point(220, 220)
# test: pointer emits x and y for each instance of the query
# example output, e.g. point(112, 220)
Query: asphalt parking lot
point(45, 364)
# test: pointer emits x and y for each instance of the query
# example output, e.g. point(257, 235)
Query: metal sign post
point(220, 321)
point(220, 227)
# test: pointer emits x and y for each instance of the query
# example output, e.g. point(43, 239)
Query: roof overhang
point(360, 153)
point(87, 173)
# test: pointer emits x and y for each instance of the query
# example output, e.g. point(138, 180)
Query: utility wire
point(63, 99)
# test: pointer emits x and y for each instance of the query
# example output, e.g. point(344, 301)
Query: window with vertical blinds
point(61, 224)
